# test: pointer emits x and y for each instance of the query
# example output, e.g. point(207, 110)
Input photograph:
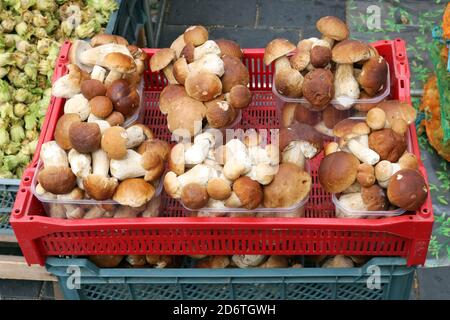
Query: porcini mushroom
point(332, 29)
point(407, 189)
point(197, 35)
point(318, 88)
point(276, 49)
point(194, 196)
point(98, 185)
point(388, 144)
point(235, 73)
point(337, 171)
point(134, 192)
point(78, 104)
point(85, 136)
point(203, 86)
point(62, 129)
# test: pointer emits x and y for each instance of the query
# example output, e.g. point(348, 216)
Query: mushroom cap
point(339, 261)
point(300, 132)
point(333, 27)
point(408, 161)
point(407, 189)
point(194, 196)
point(289, 186)
point(176, 159)
point(188, 53)
point(170, 94)
point(197, 35)
point(91, 88)
point(180, 70)
point(161, 59)
point(85, 137)
point(76, 48)
point(117, 61)
point(153, 163)
point(395, 109)
point(57, 179)
point(373, 75)
point(229, 48)
point(289, 82)
point(99, 187)
point(203, 86)
point(388, 144)
point(106, 261)
point(366, 175)
point(101, 106)
point(103, 38)
point(114, 142)
point(337, 171)
point(248, 191)
point(186, 116)
point(218, 114)
point(124, 97)
point(376, 118)
point(276, 49)
point(374, 198)
point(178, 45)
point(235, 73)
point(134, 192)
point(62, 129)
point(298, 112)
point(159, 146)
point(331, 116)
point(348, 127)
point(218, 189)
point(320, 56)
point(350, 51)
point(240, 96)
point(318, 88)
point(148, 133)
point(115, 119)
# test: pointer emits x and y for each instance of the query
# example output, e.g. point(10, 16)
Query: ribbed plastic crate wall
point(242, 284)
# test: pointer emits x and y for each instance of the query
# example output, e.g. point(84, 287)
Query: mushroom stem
point(346, 87)
point(53, 155)
point(80, 163)
point(168, 72)
point(100, 163)
point(363, 153)
point(98, 73)
point(135, 136)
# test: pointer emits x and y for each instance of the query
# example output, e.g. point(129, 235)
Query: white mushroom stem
point(293, 154)
point(263, 173)
point(44, 193)
point(78, 104)
point(80, 163)
point(98, 73)
point(53, 155)
point(346, 88)
point(94, 213)
point(197, 152)
point(248, 261)
point(100, 163)
point(233, 201)
point(112, 76)
point(322, 128)
point(308, 150)
point(384, 170)
point(350, 201)
point(135, 136)
point(128, 167)
point(72, 211)
point(331, 148)
point(93, 118)
point(238, 161)
point(363, 153)
point(198, 174)
point(95, 56)
point(168, 72)
point(363, 140)
point(209, 47)
point(208, 63)
point(103, 124)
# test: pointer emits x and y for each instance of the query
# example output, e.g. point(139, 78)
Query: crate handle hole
point(17, 211)
point(27, 178)
point(22, 190)
point(31, 218)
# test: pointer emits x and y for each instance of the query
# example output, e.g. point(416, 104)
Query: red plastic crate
point(174, 232)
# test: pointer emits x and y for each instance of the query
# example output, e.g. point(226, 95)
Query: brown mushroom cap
point(407, 189)
point(331, 116)
point(298, 112)
point(320, 56)
point(106, 261)
point(318, 88)
point(395, 109)
point(176, 161)
point(197, 35)
point(408, 161)
point(289, 82)
point(373, 75)
point(235, 73)
point(388, 144)
point(124, 97)
point(99, 187)
point(115, 119)
point(92, 88)
point(57, 179)
point(153, 163)
point(333, 27)
point(188, 53)
point(218, 189)
point(229, 48)
point(186, 114)
point(114, 142)
point(366, 175)
point(170, 94)
point(161, 59)
point(218, 114)
point(248, 191)
point(85, 136)
point(101, 106)
point(376, 118)
point(337, 171)
point(350, 51)
point(101, 39)
point(194, 196)
point(240, 96)
point(159, 146)
point(348, 127)
point(276, 49)
point(289, 186)
point(203, 86)
point(180, 70)
point(119, 62)
point(62, 129)
point(374, 198)
point(134, 192)
point(300, 132)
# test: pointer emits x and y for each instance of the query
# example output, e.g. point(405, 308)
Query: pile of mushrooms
point(207, 79)
point(102, 79)
point(88, 161)
point(369, 165)
point(246, 261)
point(240, 174)
point(136, 261)
point(331, 68)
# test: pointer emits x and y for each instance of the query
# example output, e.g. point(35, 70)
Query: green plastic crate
point(8, 191)
point(443, 81)
point(242, 284)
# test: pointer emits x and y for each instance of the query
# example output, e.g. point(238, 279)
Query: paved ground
point(252, 23)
